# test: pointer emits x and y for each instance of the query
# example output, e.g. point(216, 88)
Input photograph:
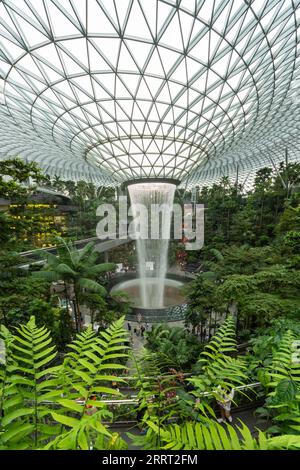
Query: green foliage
point(174, 345)
point(282, 383)
point(203, 300)
point(46, 405)
point(24, 417)
point(20, 292)
point(77, 269)
point(289, 221)
point(213, 437)
point(250, 260)
point(201, 436)
point(266, 341)
point(285, 442)
point(234, 217)
point(120, 303)
point(22, 296)
point(217, 368)
point(86, 197)
point(14, 173)
point(265, 295)
point(21, 171)
point(161, 396)
point(292, 241)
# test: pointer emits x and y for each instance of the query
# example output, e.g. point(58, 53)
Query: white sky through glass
point(110, 90)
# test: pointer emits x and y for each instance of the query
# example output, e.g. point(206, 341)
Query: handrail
point(54, 247)
point(135, 400)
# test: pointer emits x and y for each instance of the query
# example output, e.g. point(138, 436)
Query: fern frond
point(87, 372)
point(24, 417)
point(282, 381)
point(201, 436)
point(218, 368)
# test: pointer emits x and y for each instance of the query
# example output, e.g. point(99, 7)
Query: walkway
point(138, 341)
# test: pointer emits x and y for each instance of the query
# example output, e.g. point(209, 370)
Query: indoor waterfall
point(152, 252)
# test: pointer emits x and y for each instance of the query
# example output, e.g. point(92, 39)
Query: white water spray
point(153, 253)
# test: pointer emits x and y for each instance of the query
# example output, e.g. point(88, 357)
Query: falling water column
point(155, 197)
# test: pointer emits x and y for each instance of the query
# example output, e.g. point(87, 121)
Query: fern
point(86, 372)
point(49, 407)
point(201, 436)
point(282, 381)
point(160, 394)
point(217, 367)
point(285, 442)
point(5, 338)
point(24, 422)
point(282, 366)
point(213, 436)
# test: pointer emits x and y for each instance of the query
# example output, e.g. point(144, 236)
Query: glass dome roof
point(111, 90)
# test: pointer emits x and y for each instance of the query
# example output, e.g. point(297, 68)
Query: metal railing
point(134, 400)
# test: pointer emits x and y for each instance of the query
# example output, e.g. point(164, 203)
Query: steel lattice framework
point(111, 90)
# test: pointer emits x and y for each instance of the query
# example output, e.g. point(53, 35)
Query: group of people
point(125, 268)
point(138, 330)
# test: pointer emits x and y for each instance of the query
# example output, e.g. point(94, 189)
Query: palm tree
point(77, 269)
point(57, 183)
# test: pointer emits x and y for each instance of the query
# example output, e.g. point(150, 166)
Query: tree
point(78, 269)
point(19, 172)
point(14, 173)
point(263, 296)
point(287, 178)
point(18, 291)
point(103, 311)
point(289, 221)
point(201, 293)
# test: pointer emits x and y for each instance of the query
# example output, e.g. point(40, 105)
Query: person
point(224, 401)
point(142, 331)
point(129, 326)
point(196, 410)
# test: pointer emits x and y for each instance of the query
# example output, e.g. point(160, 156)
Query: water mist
point(153, 252)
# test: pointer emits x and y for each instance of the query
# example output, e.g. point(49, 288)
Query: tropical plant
point(161, 395)
point(212, 436)
point(45, 405)
point(201, 293)
point(14, 172)
point(78, 269)
point(263, 296)
point(217, 369)
point(281, 378)
point(174, 345)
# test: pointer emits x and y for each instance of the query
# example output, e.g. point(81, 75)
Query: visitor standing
point(129, 327)
point(224, 399)
point(142, 331)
